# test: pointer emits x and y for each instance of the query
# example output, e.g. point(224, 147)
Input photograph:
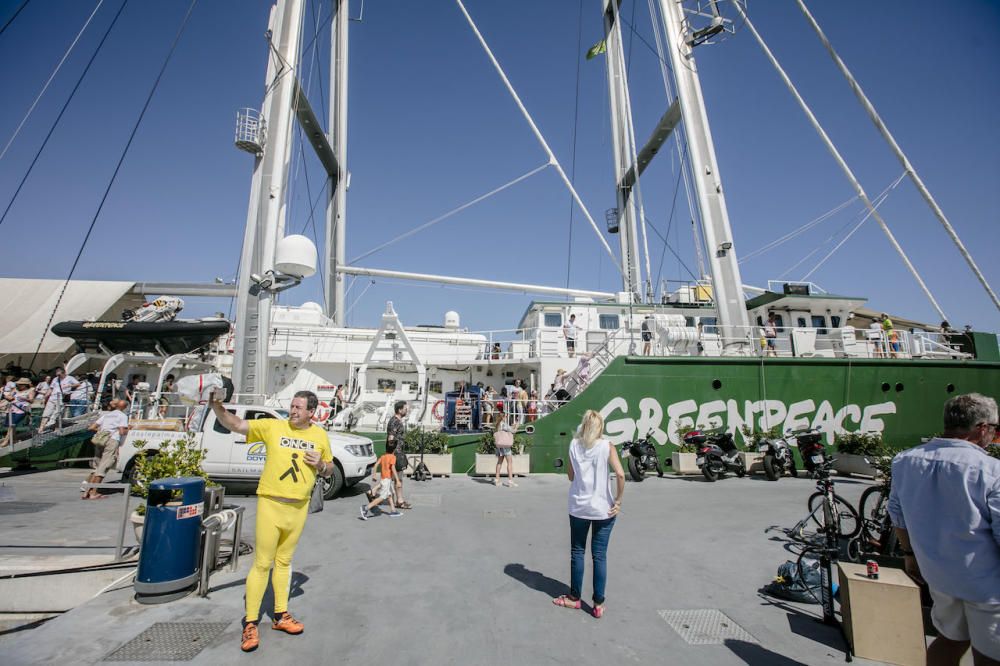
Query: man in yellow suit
point(297, 450)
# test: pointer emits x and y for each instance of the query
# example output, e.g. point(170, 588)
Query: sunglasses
point(995, 426)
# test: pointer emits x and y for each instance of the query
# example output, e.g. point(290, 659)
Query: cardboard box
point(882, 618)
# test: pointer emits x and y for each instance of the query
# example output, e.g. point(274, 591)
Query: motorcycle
point(642, 457)
point(810, 443)
point(778, 457)
point(716, 454)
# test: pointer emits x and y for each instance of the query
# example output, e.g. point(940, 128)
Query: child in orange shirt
point(386, 467)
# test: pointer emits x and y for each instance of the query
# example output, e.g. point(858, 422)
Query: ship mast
point(726, 280)
point(336, 211)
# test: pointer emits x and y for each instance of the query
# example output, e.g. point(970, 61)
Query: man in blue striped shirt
point(945, 505)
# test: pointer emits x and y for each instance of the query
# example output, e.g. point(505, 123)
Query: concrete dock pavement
point(467, 577)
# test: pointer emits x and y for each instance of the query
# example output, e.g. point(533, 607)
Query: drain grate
point(502, 513)
point(707, 626)
point(425, 499)
point(169, 641)
point(9, 507)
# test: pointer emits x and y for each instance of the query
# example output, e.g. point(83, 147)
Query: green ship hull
point(901, 399)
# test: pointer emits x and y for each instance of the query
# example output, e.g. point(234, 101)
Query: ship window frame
point(819, 323)
point(557, 315)
point(801, 322)
point(835, 321)
point(602, 318)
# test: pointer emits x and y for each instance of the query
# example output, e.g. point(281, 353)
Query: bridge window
point(819, 321)
point(801, 322)
point(608, 322)
point(834, 321)
point(553, 319)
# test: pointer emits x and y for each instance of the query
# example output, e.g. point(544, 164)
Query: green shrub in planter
point(752, 437)
point(487, 445)
point(993, 450)
point(175, 458)
point(867, 444)
point(434, 442)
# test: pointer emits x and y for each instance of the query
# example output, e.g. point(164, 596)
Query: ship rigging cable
point(900, 155)
point(51, 76)
point(114, 175)
point(797, 232)
point(11, 19)
point(66, 104)
point(541, 139)
point(576, 121)
point(840, 160)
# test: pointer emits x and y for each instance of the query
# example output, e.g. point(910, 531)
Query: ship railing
point(817, 342)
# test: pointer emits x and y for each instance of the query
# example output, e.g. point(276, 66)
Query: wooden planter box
point(753, 461)
point(438, 463)
point(486, 464)
point(683, 463)
point(846, 464)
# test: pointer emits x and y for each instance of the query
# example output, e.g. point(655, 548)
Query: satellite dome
point(295, 256)
point(451, 319)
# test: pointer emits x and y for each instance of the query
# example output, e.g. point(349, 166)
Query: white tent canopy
point(26, 305)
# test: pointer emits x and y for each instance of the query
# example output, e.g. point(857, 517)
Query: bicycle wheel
point(847, 523)
point(874, 504)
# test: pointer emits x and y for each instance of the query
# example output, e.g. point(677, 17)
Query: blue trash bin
point(171, 538)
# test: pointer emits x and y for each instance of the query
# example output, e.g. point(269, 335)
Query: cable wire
point(61, 112)
point(576, 121)
point(114, 176)
point(451, 212)
point(51, 76)
point(11, 19)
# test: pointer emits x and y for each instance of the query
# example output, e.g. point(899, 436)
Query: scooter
point(810, 443)
point(642, 457)
point(717, 454)
point(778, 457)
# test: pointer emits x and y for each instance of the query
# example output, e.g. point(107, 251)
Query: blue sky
point(431, 127)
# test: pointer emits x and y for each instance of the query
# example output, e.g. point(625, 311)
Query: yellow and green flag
point(597, 49)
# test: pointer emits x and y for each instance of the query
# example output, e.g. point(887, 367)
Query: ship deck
point(466, 577)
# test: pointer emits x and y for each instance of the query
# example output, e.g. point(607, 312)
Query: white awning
point(26, 306)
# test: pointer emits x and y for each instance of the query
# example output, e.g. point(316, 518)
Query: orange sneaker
point(251, 637)
point(289, 625)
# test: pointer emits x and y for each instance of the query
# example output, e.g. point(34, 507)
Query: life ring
point(438, 414)
point(322, 413)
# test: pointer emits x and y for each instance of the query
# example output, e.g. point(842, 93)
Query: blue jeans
point(578, 529)
point(77, 407)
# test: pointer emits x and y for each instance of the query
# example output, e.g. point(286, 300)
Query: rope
point(792, 234)
point(878, 201)
point(450, 213)
point(114, 176)
point(576, 118)
point(900, 155)
point(541, 139)
point(11, 19)
point(51, 76)
point(670, 221)
point(840, 161)
point(856, 227)
point(61, 112)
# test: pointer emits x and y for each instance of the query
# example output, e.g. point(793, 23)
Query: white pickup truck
point(231, 460)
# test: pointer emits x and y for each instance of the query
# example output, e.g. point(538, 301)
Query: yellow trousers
point(279, 525)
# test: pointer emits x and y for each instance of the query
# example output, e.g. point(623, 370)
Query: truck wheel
point(334, 484)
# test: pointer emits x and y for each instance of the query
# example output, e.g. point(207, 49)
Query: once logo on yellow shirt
point(286, 473)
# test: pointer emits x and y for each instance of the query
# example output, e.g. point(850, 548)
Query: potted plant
point(486, 455)
point(682, 461)
point(174, 458)
point(753, 460)
point(436, 455)
point(857, 453)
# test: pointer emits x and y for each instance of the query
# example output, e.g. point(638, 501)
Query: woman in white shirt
point(591, 505)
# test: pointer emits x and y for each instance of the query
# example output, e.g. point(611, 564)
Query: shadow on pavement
point(536, 580)
point(756, 655)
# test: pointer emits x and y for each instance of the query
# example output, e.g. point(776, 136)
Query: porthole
point(558, 463)
point(950, 388)
point(716, 384)
point(529, 429)
point(899, 387)
point(885, 387)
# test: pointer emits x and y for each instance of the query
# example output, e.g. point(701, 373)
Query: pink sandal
point(597, 611)
point(566, 602)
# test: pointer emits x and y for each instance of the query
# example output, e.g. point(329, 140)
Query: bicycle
point(878, 535)
point(831, 514)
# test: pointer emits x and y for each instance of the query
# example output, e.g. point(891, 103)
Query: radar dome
point(295, 256)
point(312, 306)
point(451, 319)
